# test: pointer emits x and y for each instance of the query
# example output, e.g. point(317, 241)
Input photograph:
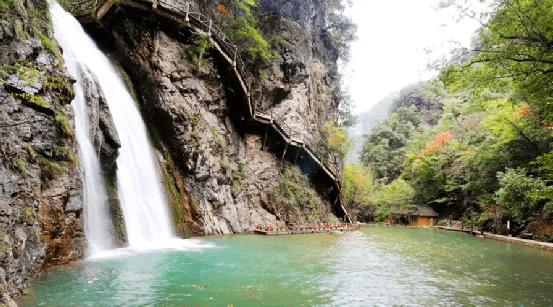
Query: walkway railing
point(300, 137)
point(187, 15)
point(205, 24)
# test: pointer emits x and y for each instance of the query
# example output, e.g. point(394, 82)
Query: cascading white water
point(140, 192)
point(97, 221)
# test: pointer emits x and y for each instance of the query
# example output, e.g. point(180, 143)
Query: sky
point(392, 44)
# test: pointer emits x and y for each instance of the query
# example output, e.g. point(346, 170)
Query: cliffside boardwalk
point(181, 13)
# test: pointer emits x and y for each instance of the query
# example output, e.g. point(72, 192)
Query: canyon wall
point(221, 177)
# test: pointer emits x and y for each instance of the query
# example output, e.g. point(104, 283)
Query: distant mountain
point(365, 121)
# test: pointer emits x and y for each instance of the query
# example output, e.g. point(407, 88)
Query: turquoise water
point(375, 266)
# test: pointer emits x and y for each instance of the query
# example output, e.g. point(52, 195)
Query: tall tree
point(515, 45)
point(383, 150)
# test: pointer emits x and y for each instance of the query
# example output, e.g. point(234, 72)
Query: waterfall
point(97, 221)
point(140, 191)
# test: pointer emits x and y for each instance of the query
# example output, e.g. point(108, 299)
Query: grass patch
point(225, 167)
point(63, 153)
point(118, 232)
point(112, 191)
point(61, 120)
point(50, 169)
point(20, 165)
point(26, 215)
point(238, 182)
point(27, 71)
point(32, 74)
point(222, 144)
point(220, 141)
point(7, 5)
point(196, 119)
point(19, 32)
point(49, 45)
point(196, 137)
point(31, 150)
point(3, 243)
point(37, 100)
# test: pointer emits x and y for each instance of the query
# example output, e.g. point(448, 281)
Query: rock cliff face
point(223, 172)
point(41, 193)
point(41, 222)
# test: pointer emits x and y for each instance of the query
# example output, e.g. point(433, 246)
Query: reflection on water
point(375, 266)
point(365, 274)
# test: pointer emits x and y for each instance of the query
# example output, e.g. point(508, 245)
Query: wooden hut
point(422, 216)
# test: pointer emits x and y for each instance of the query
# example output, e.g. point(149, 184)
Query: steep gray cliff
point(224, 173)
point(41, 220)
point(41, 192)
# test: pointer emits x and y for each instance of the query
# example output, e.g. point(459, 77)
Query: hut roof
point(402, 211)
point(425, 211)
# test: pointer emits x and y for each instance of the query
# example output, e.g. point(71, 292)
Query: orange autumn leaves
point(444, 137)
point(524, 111)
point(437, 143)
point(335, 140)
point(222, 9)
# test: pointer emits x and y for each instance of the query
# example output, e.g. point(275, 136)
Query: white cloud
point(390, 51)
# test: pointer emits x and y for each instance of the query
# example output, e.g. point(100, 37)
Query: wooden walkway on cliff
point(180, 13)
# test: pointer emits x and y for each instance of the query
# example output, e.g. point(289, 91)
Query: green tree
point(340, 27)
point(340, 32)
point(242, 26)
point(334, 138)
point(383, 150)
point(515, 45)
point(495, 128)
point(422, 95)
point(397, 195)
point(358, 186)
point(517, 192)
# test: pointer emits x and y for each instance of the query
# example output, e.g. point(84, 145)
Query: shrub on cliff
point(294, 189)
point(340, 27)
point(334, 139)
point(242, 27)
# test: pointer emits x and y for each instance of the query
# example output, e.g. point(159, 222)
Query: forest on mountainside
point(476, 142)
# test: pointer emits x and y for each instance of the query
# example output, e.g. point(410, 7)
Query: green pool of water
point(374, 266)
